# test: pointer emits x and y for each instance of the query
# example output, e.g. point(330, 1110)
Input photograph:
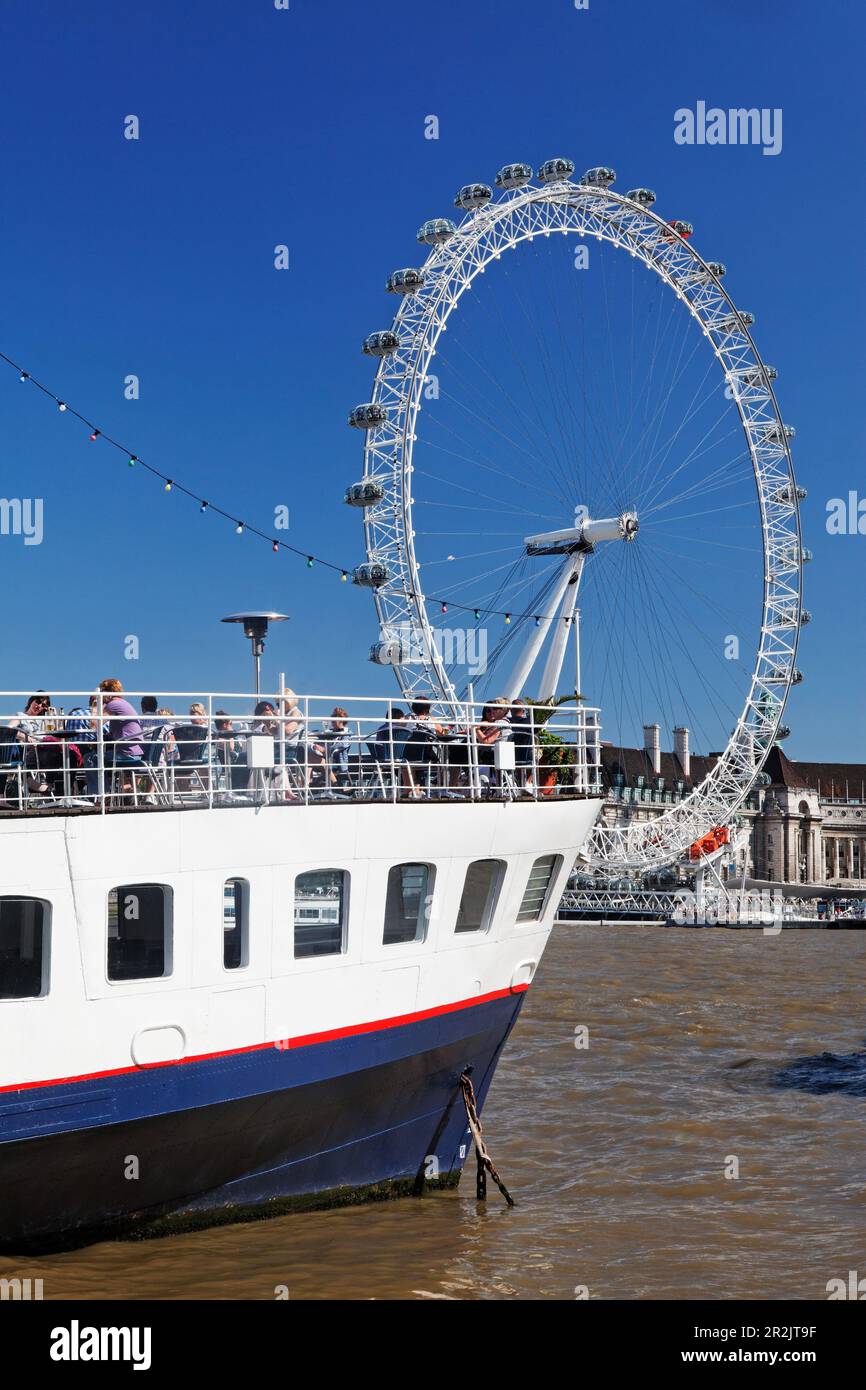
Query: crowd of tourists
point(109, 746)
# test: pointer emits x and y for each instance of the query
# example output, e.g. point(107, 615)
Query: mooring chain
point(482, 1157)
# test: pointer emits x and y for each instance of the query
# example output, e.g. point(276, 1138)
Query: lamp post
point(256, 628)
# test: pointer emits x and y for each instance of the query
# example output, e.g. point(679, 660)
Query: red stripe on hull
point(287, 1044)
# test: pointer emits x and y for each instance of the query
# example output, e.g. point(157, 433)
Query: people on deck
point(34, 717)
point(336, 740)
point(125, 747)
point(150, 713)
point(523, 736)
point(124, 728)
point(426, 754)
point(492, 727)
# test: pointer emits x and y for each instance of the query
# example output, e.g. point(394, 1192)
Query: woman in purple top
point(124, 729)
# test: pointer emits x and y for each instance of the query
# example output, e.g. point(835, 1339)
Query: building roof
point(635, 762)
point(831, 779)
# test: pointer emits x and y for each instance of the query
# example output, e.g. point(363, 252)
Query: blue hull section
point(214, 1137)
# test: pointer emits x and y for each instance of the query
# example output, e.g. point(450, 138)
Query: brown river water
point(706, 1050)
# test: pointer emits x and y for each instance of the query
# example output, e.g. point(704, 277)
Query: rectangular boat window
point(407, 903)
point(236, 924)
point(480, 892)
point(537, 888)
point(24, 954)
point(139, 931)
point(321, 902)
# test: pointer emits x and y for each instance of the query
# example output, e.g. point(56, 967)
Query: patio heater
point(256, 629)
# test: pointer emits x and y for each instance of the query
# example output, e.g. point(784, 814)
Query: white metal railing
point(80, 753)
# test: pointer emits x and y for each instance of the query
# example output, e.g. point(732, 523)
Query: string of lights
point(243, 527)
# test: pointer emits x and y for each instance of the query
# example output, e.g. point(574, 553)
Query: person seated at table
point(125, 747)
point(299, 749)
point(191, 740)
point(48, 762)
point(523, 735)
point(166, 720)
point(266, 721)
point(229, 748)
point(423, 745)
point(80, 727)
point(50, 765)
point(387, 744)
point(12, 743)
point(336, 741)
point(149, 713)
point(293, 726)
point(34, 717)
point(492, 726)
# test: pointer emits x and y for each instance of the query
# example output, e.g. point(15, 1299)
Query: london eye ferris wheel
point(571, 430)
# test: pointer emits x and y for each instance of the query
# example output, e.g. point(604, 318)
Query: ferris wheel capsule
point(682, 229)
point(406, 281)
point(371, 575)
point(472, 196)
point(780, 675)
point(380, 344)
point(731, 322)
point(436, 231)
point(645, 196)
point(717, 269)
point(757, 376)
point(553, 170)
point(513, 176)
point(787, 494)
point(368, 416)
point(598, 178)
point(776, 434)
point(364, 494)
point(795, 555)
point(390, 651)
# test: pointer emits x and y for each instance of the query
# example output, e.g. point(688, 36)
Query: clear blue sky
point(306, 127)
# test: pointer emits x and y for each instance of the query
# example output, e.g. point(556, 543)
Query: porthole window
point(407, 903)
point(236, 924)
point(480, 893)
point(25, 926)
point(321, 907)
point(140, 931)
point(537, 889)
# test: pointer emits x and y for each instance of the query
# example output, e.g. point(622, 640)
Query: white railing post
point(211, 751)
point(100, 752)
point(392, 765)
point(306, 737)
point(284, 771)
point(533, 736)
point(472, 748)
